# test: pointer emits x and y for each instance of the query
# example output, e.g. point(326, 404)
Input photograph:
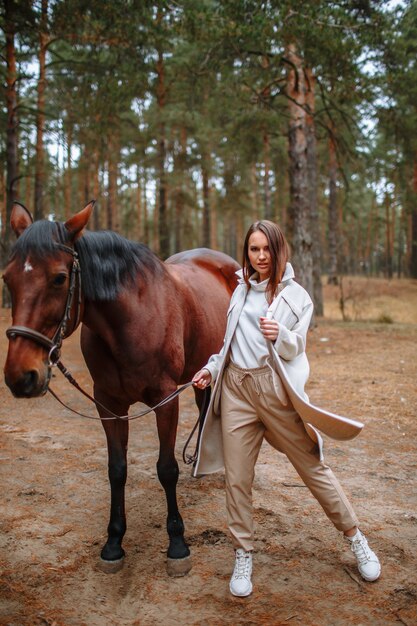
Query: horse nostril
point(30, 381)
point(26, 386)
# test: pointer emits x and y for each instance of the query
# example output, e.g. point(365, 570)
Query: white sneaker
point(240, 582)
point(368, 563)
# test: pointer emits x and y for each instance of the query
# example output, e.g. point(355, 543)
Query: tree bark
point(312, 182)
point(254, 193)
point(40, 114)
point(266, 96)
point(139, 212)
point(206, 203)
point(413, 229)
point(68, 175)
point(145, 209)
point(28, 198)
point(155, 229)
point(388, 236)
point(2, 205)
point(267, 178)
point(113, 217)
point(213, 223)
point(179, 192)
point(369, 238)
point(12, 164)
point(298, 173)
point(163, 229)
point(333, 216)
point(95, 164)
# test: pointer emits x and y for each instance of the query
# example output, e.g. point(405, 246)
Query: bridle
point(54, 345)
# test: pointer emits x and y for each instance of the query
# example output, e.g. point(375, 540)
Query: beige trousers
point(250, 411)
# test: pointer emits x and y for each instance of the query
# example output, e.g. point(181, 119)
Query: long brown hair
point(279, 250)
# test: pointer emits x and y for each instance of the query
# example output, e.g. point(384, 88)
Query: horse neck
point(143, 301)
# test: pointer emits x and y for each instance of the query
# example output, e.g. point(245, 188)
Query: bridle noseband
point(54, 345)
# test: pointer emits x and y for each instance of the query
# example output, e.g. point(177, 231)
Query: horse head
point(41, 276)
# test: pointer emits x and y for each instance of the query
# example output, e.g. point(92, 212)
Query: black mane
point(108, 261)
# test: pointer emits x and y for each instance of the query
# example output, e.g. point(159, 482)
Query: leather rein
point(54, 346)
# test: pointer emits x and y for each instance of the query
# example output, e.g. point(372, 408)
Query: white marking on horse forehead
point(27, 266)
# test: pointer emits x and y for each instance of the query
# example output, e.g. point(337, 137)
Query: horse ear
point(20, 218)
point(77, 222)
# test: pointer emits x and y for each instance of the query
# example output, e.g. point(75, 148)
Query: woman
point(259, 375)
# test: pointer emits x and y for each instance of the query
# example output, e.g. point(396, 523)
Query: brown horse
point(147, 326)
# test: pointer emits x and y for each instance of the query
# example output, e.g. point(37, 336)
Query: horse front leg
point(117, 434)
point(178, 554)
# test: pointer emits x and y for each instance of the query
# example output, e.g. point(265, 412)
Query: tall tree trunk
point(179, 193)
point(254, 193)
point(206, 203)
point(139, 216)
point(2, 205)
point(95, 164)
point(163, 227)
point(333, 215)
point(40, 113)
point(317, 294)
point(239, 234)
point(413, 229)
point(370, 231)
point(113, 217)
point(145, 208)
point(388, 238)
point(86, 183)
point(266, 96)
point(205, 148)
point(360, 252)
point(400, 243)
point(213, 223)
point(12, 125)
point(297, 151)
point(393, 226)
point(280, 200)
point(267, 178)
point(68, 175)
point(162, 196)
point(155, 229)
point(179, 209)
point(28, 189)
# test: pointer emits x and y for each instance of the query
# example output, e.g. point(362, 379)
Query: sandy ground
point(55, 506)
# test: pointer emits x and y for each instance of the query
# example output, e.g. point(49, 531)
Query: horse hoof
point(179, 567)
point(110, 567)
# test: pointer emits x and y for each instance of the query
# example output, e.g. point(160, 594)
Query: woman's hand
point(202, 379)
point(269, 328)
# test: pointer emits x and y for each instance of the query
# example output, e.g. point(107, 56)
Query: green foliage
point(223, 108)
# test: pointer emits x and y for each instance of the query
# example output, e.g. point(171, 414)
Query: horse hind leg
point(178, 554)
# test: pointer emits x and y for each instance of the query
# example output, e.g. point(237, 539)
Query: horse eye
point(59, 280)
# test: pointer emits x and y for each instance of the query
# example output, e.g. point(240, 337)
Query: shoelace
point(361, 549)
point(242, 566)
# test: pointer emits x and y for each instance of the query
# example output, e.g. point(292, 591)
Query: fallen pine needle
point(353, 577)
point(294, 485)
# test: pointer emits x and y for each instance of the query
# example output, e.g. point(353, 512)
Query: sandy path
point(55, 507)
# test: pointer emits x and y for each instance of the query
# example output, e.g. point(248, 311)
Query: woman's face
point(259, 254)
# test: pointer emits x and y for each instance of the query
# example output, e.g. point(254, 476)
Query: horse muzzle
point(28, 384)
point(26, 372)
